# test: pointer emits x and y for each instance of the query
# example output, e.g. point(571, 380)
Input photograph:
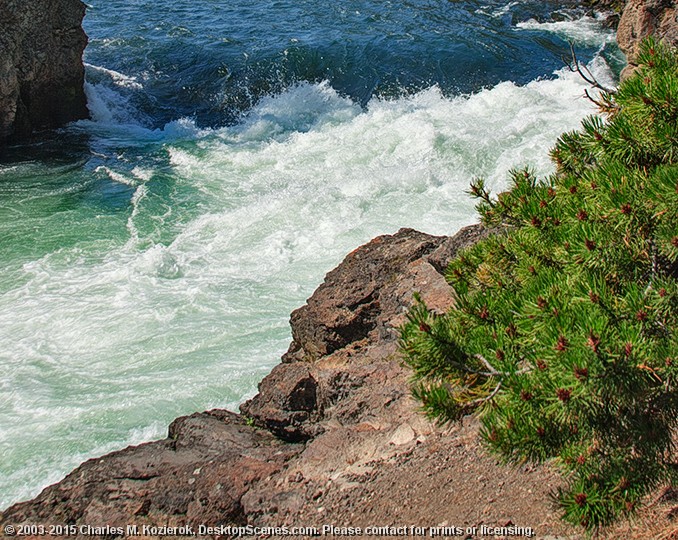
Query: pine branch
point(586, 279)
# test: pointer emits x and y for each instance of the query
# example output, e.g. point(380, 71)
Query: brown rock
point(359, 306)
point(352, 317)
point(41, 70)
point(356, 300)
point(347, 306)
point(448, 249)
point(643, 18)
point(197, 475)
point(286, 403)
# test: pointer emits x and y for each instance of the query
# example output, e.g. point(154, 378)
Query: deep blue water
point(212, 60)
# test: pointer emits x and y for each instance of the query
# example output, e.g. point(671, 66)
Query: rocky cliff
point(333, 438)
point(643, 18)
point(41, 69)
point(637, 19)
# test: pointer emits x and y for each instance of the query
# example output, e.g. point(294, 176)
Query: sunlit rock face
point(643, 18)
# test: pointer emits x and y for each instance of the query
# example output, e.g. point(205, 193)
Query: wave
point(585, 31)
point(117, 78)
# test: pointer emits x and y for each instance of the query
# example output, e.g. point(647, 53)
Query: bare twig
point(487, 364)
point(577, 67)
point(466, 369)
point(597, 102)
point(602, 102)
point(494, 373)
point(485, 399)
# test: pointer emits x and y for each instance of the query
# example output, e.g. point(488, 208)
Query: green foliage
point(563, 338)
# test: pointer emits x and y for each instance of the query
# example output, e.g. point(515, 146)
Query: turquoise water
point(150, 256)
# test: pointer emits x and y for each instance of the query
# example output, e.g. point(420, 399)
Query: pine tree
point(563, 338)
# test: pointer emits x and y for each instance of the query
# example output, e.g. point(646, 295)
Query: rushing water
point(149, 257)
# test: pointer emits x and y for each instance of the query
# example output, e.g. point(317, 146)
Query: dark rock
point(448, 249)
point(286, 403)
point(605, 5)
point(41, 70)
point(339, 384)
point(611, 20)
point(349, 303)
point(197, 475)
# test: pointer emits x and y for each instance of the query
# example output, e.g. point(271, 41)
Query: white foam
point(142, 173)
point(139, 193)
point(158, 261)
point(499, 12)
point(117, 78)
point(586, 31)
point(107, 106)
point(116, 176)
point(114, 118)
point(301, 108)
point(184, 128)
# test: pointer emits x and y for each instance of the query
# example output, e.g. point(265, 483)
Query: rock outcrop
point(41, 69)
point(197, 475)
point(332, 438)
point(349, 326)
point(643, 18)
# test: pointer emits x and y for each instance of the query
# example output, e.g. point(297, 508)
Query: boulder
point(357, 298)
point(287, 403)
point(346, 335)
